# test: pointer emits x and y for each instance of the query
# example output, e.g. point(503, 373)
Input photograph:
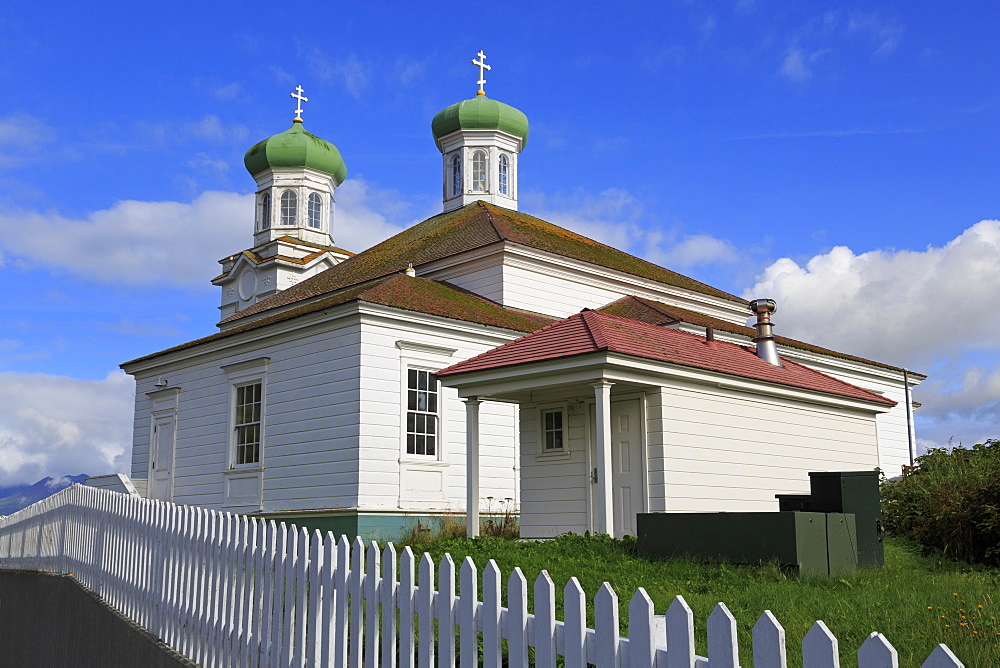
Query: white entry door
point(161, 453)
point(627, 490)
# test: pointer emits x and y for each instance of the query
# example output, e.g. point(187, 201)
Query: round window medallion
point(248, 285)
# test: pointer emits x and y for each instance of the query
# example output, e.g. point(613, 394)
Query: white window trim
point(560, 407)
point(424, 357)
point(240, 374)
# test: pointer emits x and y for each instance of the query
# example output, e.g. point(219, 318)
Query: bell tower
point(296, 174)
point(480, 140)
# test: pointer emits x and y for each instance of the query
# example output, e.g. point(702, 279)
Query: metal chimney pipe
point(767, 350)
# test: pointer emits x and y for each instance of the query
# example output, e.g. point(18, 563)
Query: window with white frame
point(456, 175)
point(289, 207)
point(421, 412)
point(553, 430)
point(265, 211)
point(502, 174)
point(315, 209)
point(247, 424)
point(479, 171)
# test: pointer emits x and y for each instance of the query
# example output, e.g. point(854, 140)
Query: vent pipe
point(767, 350)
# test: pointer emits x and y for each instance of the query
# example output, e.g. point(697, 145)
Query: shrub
point(949, 502)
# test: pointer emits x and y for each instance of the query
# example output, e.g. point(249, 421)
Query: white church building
point(485, 357)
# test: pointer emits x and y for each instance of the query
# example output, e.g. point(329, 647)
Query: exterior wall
point(333, 395)
point(392, 479)
point(555, 487)
point(485, 277)
point(310, 418)
point(893, 427)
point(719, 450)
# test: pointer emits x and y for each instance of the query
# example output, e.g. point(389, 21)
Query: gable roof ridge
point(492, 222)
point(518, 340)
point(592, 322)
point(656, 306)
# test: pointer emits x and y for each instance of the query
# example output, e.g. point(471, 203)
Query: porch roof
point(590, 332)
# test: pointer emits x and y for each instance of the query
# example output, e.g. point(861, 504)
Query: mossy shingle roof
point(472, 226)
point(657, 313)
point(590, 332)
point(399, 291)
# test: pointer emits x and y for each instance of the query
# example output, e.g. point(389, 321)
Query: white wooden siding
point(718, 450)
point(310, 414)
point(554, 487)
point(381, 428)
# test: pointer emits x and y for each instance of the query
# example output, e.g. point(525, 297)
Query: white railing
point(228, 590)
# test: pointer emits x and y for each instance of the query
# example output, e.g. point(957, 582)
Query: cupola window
point(456, 175)
point(502, 174)
point(289, 207)
point(265, 211)
point(315, 208)
point(479, 173)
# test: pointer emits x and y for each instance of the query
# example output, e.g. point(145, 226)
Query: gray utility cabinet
point(855, 492)
point(813, 544)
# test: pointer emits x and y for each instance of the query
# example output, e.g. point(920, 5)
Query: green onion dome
point(296, 148)
point(481, 113)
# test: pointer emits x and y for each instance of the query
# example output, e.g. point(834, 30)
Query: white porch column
point(472, 466)
point(605, 520)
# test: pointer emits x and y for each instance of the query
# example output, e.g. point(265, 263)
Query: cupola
point(296, 173)
point(480, 140)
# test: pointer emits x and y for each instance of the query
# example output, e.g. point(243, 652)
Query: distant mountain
point(13, 499)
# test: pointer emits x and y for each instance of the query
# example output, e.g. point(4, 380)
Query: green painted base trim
point(380, 527)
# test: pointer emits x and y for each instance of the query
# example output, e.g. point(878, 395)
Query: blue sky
point(838, 157)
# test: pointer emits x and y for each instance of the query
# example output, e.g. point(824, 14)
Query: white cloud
point(350, 71)
point(22, 130)
point(56, 426)
point(366, 215)
point(615, 217)
point(21, 138)
point(932, 310)
point(794, 65)
point(133, 242)
point(698, 249)
point(178, 243)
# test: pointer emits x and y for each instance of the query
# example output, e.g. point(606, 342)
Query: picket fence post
point(234, 590)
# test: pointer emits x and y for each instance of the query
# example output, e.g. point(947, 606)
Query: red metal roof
point(594, 331)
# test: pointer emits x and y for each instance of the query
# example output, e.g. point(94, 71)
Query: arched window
point(456, 175)
point(479, 174)
point(502, 173)
point(289, 207)
point(315, 207)
point(265, 211)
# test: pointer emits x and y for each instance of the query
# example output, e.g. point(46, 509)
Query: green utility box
point(855, 492)
point(812, 543)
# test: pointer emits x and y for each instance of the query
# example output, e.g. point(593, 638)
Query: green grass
point(915, 600)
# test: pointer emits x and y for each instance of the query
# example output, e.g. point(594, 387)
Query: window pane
point(479, 177)
point(411, 402)
point(421, 445)
point(411, 447)
point(315, 207)
point(430, 445)
point(503, 175)
point(456, 176)
point(432, 403)
point(411, 379)
point(289, 207)
point(421, 401)
point(265, 211)
point(421, 380)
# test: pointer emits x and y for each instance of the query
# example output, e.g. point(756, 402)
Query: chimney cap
point(761, 307)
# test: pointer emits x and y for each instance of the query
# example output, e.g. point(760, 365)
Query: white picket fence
point(228, 590)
